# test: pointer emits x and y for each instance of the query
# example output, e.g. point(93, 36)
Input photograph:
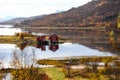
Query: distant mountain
point(7, 18)
point(58, 11)
point(14, 21)
point(94, 13)
point(0, 19)
point(20, 19)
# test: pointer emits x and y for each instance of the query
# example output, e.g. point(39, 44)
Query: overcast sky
point(26, 8)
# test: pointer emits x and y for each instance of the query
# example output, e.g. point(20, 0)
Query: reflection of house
point(42, 42)
point(53, 42)
point(54, 47)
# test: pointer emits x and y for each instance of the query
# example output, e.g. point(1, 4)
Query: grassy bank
point(58, 74)
point(15, 39)
point(12, 39)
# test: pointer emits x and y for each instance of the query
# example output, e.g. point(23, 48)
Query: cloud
point(36, 7)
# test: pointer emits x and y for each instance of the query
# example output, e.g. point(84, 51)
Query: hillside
point(94, 13)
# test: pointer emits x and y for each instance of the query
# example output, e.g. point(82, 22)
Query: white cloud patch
point(36, 7)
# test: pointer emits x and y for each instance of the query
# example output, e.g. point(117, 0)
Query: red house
point(53, 42)
point(53, 38)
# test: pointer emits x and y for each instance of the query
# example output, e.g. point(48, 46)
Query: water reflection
point(6, 26)
point(52, 42)
point(97, 38)
point(6, 50)
point(9, 31)
point(31, 53)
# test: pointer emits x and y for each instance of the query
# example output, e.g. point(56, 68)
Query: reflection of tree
point(114, 38)
point(118, 26)
point(24, 56)
point(15, 61)
point(113, 70)
point(28, 57)
point(23, 60)
point(1, 62)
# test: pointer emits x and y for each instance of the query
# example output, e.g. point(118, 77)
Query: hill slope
point(94, 13)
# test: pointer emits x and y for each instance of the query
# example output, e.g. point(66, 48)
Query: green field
point(58, 74)
point(55, 73)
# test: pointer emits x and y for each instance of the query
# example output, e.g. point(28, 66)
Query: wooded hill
point(95, 13)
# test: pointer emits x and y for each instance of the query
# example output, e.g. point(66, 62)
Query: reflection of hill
point(92, 22)
point(94, 38)
point(80, 35)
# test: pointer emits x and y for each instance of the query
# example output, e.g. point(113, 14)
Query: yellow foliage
point(112, 40)
point(118, 26)
point(111, 33)
point(29, 74)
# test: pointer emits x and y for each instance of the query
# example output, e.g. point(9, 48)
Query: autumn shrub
point(24, 34)
point(77, 72)
point(113, 73)
point(29, 74)
point(1, 76)
point(68, 73)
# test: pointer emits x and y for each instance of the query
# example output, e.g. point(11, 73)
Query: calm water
point(6, 26)
point(65, 50)
point(8, 30)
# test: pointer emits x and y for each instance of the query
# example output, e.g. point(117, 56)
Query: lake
point(65, 50)
point(8, 30)
point(30, 52)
